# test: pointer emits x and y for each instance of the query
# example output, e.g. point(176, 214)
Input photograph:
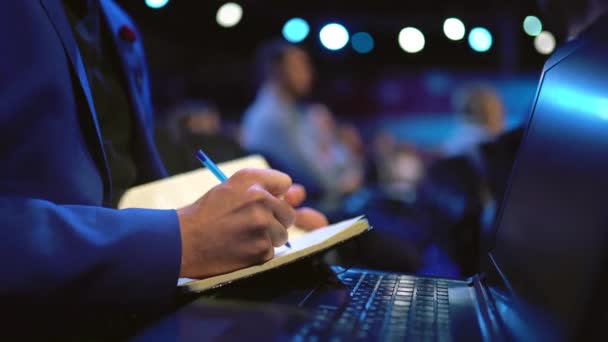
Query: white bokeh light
point(229, 14)
point(544, 43)
point(453, 28)
point(411, 40)
point(334, 36)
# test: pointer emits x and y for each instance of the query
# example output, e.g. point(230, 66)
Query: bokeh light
point(296, 30)
point(453, 28)
point(362, 42)
point(545, 43)
point(229, 14)
point(480, 39)
point(532, 26)
point(334, 36)
point(156, 4)
point(411, 40)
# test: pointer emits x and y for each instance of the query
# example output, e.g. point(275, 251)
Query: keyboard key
point(399, 316)
point(406, 284)
point(401, 303)
point(425, 301)
point(425, 294)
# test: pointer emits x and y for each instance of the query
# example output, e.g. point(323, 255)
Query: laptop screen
point(552, 231)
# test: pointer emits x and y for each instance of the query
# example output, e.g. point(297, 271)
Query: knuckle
point(241, 173)
point(224, 189)
point(259, 217)
point(240, 178)
point(246, 173)
point(291, 215)
point(286, 213)
point(255, 193)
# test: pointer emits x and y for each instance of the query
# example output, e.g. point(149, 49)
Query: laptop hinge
point(489, 319)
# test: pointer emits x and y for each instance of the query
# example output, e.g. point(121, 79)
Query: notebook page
point(183, 189)
point(313, 238)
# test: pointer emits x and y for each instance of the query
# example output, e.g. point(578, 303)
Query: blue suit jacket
point(58, 244)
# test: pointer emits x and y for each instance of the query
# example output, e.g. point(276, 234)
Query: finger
point(275, 182)
point(258, 242)
point(279, 209)
point(277, 233)
point(295, 195)
point(264, 229)
point(270, 251)
point(310, 219)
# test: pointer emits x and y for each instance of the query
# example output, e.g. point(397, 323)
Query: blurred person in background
point(350, 136)
point(403, 173)
point(480, 112)
point(337, 161)
point(383, 146)
point(398, 167)
point(275, 125)
point(190, 126)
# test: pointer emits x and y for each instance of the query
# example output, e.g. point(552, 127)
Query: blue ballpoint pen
point(200, 155)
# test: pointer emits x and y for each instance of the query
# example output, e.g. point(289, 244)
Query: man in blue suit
point(75, 123)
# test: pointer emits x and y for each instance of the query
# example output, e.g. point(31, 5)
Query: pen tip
point(288, 244)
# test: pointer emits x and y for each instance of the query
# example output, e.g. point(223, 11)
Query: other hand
point(306, 218)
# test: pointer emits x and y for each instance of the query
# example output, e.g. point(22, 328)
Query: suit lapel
point(130, 52)
point(132, 61)
point(57, 16)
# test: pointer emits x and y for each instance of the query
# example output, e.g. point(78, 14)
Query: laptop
point(544, 275)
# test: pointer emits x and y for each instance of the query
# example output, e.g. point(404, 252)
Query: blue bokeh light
point(296, 30)
point(480, 39)
point(533, 26)
point(156, 4)
point(362, 42)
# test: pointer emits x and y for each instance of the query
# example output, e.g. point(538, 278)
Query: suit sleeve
point(88, 256)
point(60, 251)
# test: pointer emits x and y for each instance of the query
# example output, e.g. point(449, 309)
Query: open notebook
point(181, 190)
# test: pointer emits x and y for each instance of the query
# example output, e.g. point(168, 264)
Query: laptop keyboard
point(384, 306)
